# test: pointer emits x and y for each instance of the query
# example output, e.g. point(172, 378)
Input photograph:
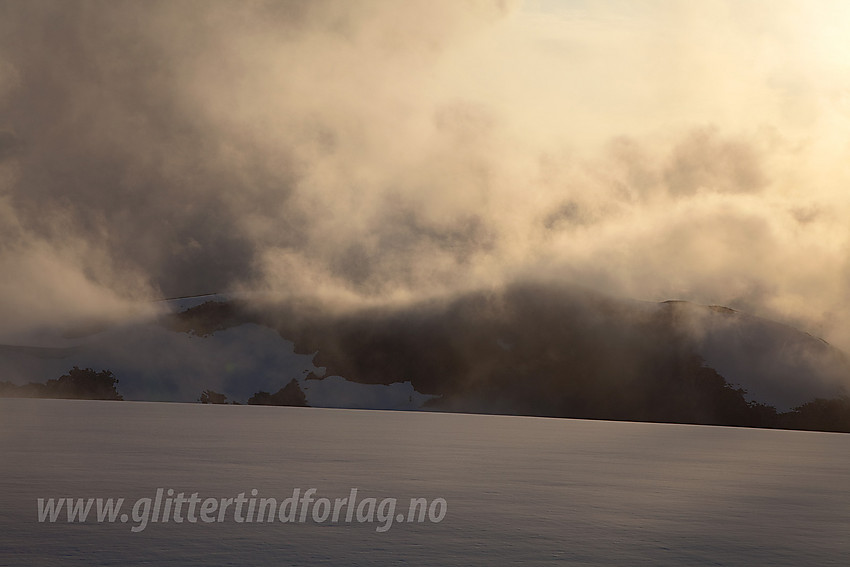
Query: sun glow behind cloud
point(390, 151)
point(742, 105)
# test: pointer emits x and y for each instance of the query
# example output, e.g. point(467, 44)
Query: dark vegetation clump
point(289, 395)
point(212, 397)
point(77, 384)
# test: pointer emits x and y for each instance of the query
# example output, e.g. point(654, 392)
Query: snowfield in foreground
point(519, 491)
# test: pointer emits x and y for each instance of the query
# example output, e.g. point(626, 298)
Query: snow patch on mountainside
point(155, 363)
point(776, 364)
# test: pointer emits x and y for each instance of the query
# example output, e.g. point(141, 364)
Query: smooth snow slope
point(519, 491)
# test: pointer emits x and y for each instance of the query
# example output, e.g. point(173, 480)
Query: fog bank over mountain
point(532, 349)
point(381, 153)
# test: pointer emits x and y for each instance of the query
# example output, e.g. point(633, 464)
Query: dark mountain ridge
point(528, 349)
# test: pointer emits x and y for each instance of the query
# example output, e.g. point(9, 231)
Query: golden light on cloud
point(388, 150)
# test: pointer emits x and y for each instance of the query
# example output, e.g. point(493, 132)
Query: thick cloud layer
point(376, 151)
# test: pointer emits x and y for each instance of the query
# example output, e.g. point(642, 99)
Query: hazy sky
point(383, 150)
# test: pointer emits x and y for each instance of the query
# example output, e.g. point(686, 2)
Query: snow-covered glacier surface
point(517, 490)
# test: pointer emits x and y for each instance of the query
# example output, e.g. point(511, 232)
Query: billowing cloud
point(376, 151)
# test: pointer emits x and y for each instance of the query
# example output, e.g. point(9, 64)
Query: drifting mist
point(385, 151)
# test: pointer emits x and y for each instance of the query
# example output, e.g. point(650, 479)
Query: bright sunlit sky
point(603, 68)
